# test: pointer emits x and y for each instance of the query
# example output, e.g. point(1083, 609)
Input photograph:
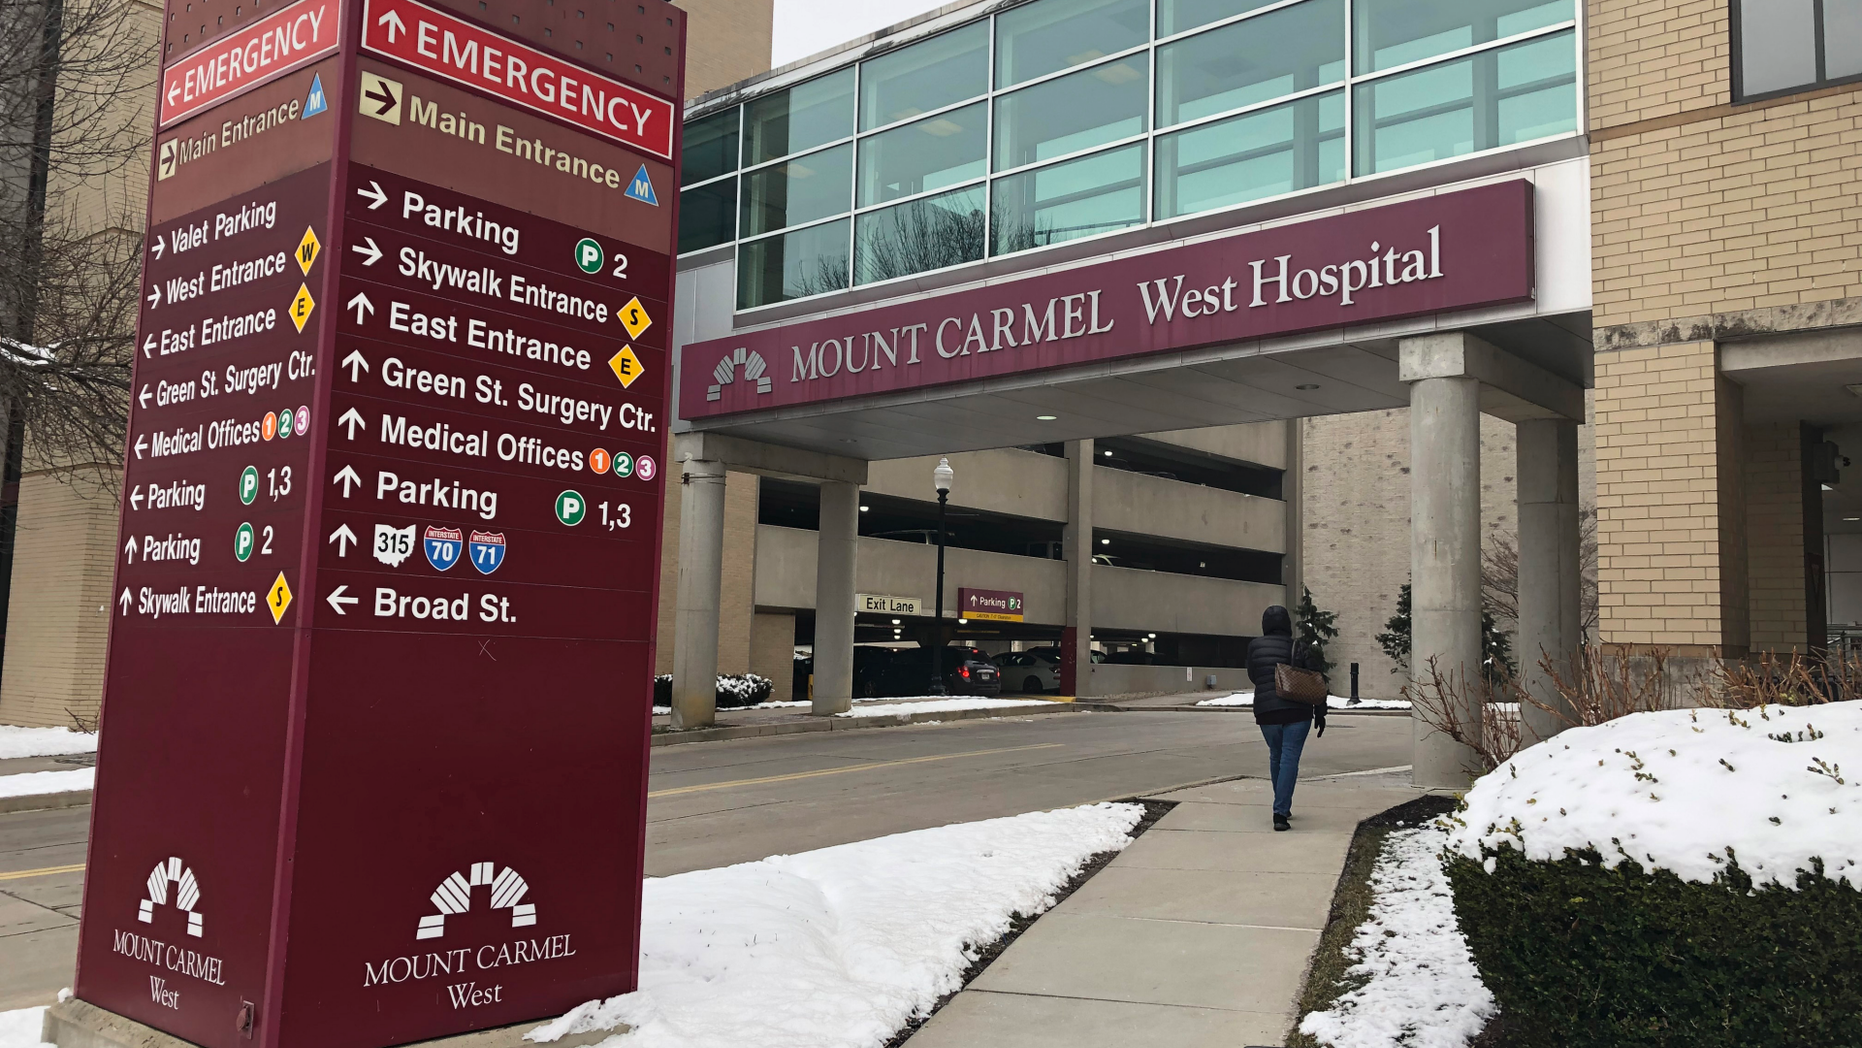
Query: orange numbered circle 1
point(271, 425)
point(599, 460)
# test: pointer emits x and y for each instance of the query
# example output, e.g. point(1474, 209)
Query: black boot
point(1281, 823)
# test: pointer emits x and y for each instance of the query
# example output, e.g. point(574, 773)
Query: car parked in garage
point(1029, 671)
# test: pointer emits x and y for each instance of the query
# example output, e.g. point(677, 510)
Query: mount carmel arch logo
point(454, 895)
point(187, 893)
point(726, 372)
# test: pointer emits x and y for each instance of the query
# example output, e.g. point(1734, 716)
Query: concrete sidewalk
point(1197, 936)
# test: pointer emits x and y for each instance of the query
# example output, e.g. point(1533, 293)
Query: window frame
point(1737, 55)
point(1147, 139)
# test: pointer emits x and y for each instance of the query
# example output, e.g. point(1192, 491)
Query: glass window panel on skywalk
point(709, 148)
point(1051, 35)
point(792, 265)
point(1390, 33)
point(708, 215)
point(1069, 200)
point(809, 187)
point(932, 153)
point(1251, 61)
point(800, 118)
point(1493, 98)
point(1264, 153)
point(1181, 16)
point(925, 76)
point(1072, 113)
point(919, 235)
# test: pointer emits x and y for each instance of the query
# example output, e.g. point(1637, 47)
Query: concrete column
point(1076, 641)
point(1445, 559)
point(1292, 489)
point(701, 577)
point(1550, 574)
point(834, 608)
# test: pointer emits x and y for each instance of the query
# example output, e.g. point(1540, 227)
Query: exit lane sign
point(438, 43)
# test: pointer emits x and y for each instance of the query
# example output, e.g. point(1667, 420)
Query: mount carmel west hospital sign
point(1434, 254)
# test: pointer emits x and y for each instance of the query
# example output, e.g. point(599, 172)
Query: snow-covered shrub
point(746, 689)
point(1679, 877)
point(734, 689)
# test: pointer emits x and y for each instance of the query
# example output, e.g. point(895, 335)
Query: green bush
point(1580, 956)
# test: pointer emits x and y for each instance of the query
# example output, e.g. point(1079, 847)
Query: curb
point(44, 801)
point(753, 731)
point(1346, 711)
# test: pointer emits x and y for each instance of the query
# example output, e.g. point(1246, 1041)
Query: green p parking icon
point(571, 508)
point(248, 486)
point(242, 543)
point(588, 256)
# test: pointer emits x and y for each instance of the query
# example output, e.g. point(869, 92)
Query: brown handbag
point(1307, 686)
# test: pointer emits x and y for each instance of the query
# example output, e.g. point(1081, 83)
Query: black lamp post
point(940, 478)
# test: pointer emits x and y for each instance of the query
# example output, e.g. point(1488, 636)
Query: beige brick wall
point(1701, 207)
point(726, 41)
point(772, 651)
point(1666, 537)
point(1775, 536)
point(57, 622)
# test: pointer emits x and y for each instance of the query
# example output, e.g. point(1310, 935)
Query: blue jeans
point(1284, 743)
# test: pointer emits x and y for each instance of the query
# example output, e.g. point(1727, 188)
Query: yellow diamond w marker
point(633, 317)
point(627, 367)
point(301, 305)
point(307, 249)
point(279, 598)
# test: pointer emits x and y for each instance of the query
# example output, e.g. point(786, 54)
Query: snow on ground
point(939, 705)
point(1420, 988)
point(20, 1028)
point(43, 742)
point(839, 948)
point(1332, 702)
point(35, 782)
point(1682, 788)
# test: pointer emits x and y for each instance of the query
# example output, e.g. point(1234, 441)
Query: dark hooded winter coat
point(1274, 646)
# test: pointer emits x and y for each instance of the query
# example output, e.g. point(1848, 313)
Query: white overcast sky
point(804, 27)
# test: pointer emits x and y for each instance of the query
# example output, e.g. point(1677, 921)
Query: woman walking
point(1284, 722)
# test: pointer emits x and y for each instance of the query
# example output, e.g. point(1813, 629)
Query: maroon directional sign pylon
point(378, 698)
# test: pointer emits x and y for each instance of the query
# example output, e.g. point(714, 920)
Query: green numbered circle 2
point(623, 465)
point(242, 542)
point(588, 256)
point(249, 484)
point(285, 419)
point(571, 508)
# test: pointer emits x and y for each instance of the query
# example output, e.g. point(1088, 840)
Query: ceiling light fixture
point(863, 509)
point(1045, 418)
point(1105, 542)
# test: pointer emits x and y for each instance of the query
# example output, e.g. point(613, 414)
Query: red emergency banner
point(438, 43)
point(268, 49)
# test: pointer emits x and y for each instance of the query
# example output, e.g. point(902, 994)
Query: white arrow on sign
point(144, 398)
point(393, 21)
point(347, 478)
point(135, 498)
point(124, 600)
point(129, 551)
point(155, 295)
point(373, 194)
point(337, 600)
point(356, 363)
point(141, 443)
point(352, 418)
point(371, 254)
point(147, 344)
point(344, 538)
point(361, 304)
point(157, 248)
